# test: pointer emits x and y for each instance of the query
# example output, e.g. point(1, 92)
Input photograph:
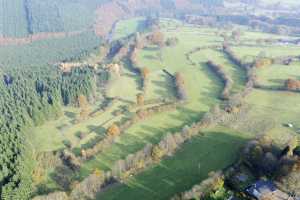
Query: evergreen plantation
point(29, 97)
point(25, 17)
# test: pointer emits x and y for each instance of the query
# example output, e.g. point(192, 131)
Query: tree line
point(226, 79)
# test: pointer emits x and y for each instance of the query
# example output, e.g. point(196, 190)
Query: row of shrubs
point(196, 49)
point(106, 105)
point(252, 80)
point(135, 163)
point(180, 87)
point(143, 72)
point(292, 85)
point(227, 81)
point(249, 67)
point(150, 154)
point(114, 130)
point(217, 115)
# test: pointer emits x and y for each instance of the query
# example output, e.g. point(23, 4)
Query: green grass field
point(187, 167)
point(276, 75)
point(268, 112)
point(288, 2)
point(271, 51)
point(127, 27)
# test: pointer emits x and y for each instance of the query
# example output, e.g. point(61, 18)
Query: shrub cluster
point(263, 62)
point(292, 85)
point(70, 160)
point(156, 38)
point(91, 185)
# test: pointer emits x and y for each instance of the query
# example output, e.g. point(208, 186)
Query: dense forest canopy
point(24, 17)
point(29, 97)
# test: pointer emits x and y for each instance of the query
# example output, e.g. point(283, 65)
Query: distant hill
point(21, 18)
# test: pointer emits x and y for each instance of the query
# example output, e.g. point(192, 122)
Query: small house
point(266, 190)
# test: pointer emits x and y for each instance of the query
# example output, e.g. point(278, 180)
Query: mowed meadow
point(214, 148)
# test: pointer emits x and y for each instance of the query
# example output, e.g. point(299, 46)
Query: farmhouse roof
point(262, 189)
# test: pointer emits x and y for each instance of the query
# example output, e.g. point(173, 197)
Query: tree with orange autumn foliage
point(292, 84)
point(145, 72)
point(140, 99)
point(179, 78)
point(263, 62)
point(180, 87)
point(83, 105)
point(113, 130)
point(82, 101)
point(157, 38)
point(97, 172)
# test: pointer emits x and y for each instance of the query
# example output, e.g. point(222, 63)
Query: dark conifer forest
point(30, 97)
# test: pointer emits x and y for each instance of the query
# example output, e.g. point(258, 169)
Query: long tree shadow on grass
point(167, 89)
point(151, 48)
point(187, 167)
point(214, 90)
point(100, 130)
point(70, 115)
point(186, 115)
point(151, 57)
point(127, 65)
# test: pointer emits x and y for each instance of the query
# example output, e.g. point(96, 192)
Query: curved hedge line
point(227, 81)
